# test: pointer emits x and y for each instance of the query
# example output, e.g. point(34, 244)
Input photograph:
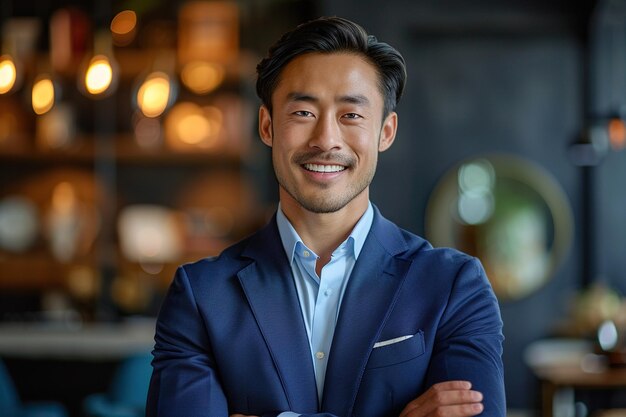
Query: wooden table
point(558, 383)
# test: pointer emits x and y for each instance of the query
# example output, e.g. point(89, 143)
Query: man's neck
point(324, 232)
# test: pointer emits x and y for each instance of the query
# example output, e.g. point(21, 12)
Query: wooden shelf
point(39, 270)
point(124, 151)
point(82, 154)
point(127, 151)
point(32, 271)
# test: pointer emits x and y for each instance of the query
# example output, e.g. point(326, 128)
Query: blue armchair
point(127, 392)
point(12, 406)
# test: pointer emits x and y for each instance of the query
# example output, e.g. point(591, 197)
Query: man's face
point(326, 130)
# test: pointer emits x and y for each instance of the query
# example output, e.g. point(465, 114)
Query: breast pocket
point(392, 352)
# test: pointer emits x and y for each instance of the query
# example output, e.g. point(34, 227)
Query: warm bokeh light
point(617, 133)
point(99, 75)
point(64, 198)
point(149, 233)
point(193, 128)
point(208, 31)
point(43, 95)
point(123, 27)
point(154, 94)
point(124, 22)
point(8, 74)
point(188, 124)
point(202, 77)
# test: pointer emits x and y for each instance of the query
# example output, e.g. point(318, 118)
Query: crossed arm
point(449, 399)
point(468, 347)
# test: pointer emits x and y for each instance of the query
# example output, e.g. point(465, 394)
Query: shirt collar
point(290, 237)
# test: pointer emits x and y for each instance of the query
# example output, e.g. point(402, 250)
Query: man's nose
point(326, 135)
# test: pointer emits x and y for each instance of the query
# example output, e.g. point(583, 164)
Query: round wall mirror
point(509, 213)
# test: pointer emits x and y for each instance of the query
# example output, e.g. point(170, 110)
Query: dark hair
point(328, 35)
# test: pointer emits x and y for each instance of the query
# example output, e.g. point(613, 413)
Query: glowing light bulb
point(123, 27)
point(43, 95)
point(99, 75)
point(154, 94)
point(8, 74)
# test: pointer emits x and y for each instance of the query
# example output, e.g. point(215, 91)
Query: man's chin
point(322, 207)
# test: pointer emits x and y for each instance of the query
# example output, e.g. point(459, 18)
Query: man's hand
point(446, 399)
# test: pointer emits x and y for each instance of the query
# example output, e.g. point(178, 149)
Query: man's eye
point(303, 113)
point(352, 116)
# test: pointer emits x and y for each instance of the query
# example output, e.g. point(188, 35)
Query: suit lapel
point(369, 297)
point(269, 288)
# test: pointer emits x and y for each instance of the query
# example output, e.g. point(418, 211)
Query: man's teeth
point(324, 168)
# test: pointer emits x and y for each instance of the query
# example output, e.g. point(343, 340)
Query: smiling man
point(330, 310)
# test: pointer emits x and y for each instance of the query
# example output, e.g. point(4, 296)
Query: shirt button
point(320, 355)
point(306, 253)
point(328, 292)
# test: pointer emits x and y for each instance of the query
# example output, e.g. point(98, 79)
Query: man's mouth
point(323, 168)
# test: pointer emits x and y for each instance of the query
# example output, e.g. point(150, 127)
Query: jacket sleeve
point(184, 379)
point(468, 344)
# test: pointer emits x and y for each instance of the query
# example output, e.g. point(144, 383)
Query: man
point(330, 310)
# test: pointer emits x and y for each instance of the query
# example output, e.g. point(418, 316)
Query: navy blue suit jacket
point(230, 336)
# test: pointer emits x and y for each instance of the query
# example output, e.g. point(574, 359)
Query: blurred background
point(128, 146)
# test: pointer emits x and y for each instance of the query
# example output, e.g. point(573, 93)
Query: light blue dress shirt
point(320, 297)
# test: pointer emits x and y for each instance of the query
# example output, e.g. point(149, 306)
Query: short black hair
point(329, 35)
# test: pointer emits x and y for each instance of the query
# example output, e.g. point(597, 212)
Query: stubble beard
point(323, 202)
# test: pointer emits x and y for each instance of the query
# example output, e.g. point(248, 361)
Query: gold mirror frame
point(508, 212)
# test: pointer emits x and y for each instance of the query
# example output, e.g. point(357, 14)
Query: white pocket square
point(392, 341)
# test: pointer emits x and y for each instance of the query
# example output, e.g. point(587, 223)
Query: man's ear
point(265, 125)
point(388, 132)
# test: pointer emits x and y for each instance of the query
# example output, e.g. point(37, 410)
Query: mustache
point(334, 158)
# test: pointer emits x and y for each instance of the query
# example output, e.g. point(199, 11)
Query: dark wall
point(490, 77)
point(608, 98)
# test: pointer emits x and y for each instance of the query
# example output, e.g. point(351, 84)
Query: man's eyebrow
point(297, 96)
point(357, 99)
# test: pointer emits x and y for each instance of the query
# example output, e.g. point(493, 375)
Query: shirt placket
point(324, 314)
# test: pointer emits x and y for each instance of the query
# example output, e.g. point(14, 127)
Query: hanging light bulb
point(100, 74)
point(43, 94)
point(154, 94)
point(157, 90)
point(124, 27)
point(8, 74)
